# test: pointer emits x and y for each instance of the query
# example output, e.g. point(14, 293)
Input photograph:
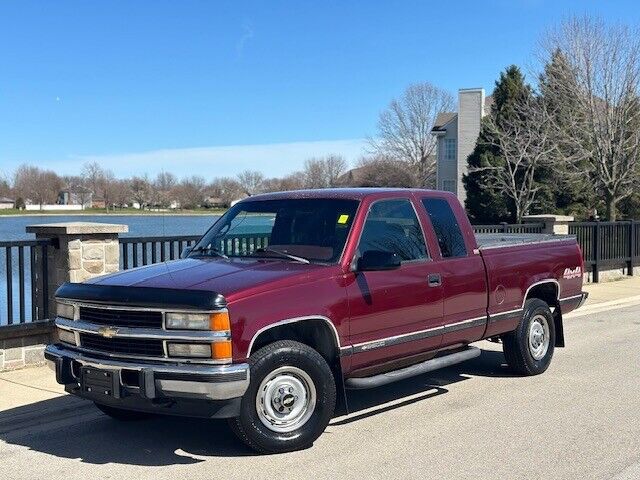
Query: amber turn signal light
point(219, 321)
point(221, 350)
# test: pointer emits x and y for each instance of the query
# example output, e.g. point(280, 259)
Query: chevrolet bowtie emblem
point(108, 332)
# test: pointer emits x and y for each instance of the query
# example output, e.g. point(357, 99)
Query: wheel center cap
point(288, 400)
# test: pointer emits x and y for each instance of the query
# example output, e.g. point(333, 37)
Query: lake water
point(13, 228)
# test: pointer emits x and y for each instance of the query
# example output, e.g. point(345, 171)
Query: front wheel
point(290, 399)
point(529, 348)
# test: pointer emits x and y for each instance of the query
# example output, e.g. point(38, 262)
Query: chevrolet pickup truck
point(340, 289)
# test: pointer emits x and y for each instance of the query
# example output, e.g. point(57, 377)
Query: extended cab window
point(315, 229)
point(392, 226)
point(446, 227)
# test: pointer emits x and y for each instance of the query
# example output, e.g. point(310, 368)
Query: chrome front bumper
point(151, 380)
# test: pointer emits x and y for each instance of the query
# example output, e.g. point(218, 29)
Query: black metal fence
point(608, 245)
point(138, 251)
point(23, 288)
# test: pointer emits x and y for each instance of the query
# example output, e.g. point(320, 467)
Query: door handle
point(435, 280)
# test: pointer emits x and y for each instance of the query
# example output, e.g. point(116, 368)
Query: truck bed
point(497, 240)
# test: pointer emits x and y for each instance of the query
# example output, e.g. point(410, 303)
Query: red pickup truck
point(333, 290)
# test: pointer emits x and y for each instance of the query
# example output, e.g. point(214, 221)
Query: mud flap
point(557, 320)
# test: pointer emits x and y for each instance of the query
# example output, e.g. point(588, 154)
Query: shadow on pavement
point(68, 427)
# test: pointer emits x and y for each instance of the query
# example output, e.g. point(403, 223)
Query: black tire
point(283, 355)
point(516, 345)
point(121, 414)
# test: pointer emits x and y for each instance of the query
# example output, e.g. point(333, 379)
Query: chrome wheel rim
point(286, 399)
point(538, 337)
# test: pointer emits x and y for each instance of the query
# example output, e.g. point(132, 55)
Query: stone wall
point(23, 345)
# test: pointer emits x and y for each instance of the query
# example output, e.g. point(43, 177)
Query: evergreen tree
point(482, 204)
point(570, 193)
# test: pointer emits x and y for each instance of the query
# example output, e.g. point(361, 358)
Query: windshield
point(311, 229)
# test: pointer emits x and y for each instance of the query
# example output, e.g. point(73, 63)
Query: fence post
point(632, 244)
point(596, 253)
point(83, 250)
point(505, 227)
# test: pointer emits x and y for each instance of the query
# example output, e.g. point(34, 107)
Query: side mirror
point(378, 260)
point(185, 252)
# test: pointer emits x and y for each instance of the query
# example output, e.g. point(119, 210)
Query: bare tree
point(107, 187)
point(380, 171)
point(120, 192)
point(294, 181)
point(140, 190)
point(5, 188)
point(190, 192)
point(324, 171)
point(163, 188)
point(227, 189)
point(404, 128)
point(527, 141)
point(37, 185)
point(250, 181)
point(601, 87)
point(92, 175)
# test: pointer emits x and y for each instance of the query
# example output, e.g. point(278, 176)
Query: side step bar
point(417, 369)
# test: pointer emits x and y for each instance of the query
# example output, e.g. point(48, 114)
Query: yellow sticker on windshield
point(342, 219)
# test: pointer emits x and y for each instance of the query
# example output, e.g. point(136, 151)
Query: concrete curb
point(604, 306)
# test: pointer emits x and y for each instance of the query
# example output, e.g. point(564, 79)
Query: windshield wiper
point(282, 254)
point(215, 251)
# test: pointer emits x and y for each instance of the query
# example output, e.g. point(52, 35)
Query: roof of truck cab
point(344, 193)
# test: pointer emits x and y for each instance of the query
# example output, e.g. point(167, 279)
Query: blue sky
point(216, 87)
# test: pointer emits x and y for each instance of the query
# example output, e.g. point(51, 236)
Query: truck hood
point(227, 277)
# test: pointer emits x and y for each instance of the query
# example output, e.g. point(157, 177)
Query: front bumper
point(145, 386)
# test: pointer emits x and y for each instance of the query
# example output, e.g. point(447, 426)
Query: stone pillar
point(82, 250)
point(554, 224)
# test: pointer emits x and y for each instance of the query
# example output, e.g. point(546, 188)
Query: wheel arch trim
point(288, 321)
point(542, 282)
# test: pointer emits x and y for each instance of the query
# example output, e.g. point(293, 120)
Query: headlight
point(196, 350)
point(187, 321)
point(65, 310)
point(218, 321)
point(66, 336)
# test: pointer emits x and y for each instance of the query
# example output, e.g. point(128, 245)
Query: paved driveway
point(581, 419)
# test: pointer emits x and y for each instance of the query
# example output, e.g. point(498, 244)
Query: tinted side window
point(446, 227)
point(392, 226)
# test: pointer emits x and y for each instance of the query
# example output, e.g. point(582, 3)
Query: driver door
point(394, 313)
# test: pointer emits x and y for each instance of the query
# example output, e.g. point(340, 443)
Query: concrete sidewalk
point(32, 385)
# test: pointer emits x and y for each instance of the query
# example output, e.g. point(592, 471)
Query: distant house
point(214, 202)
point(98, 203)
point(456, 135)
point(6, 203)
point(76, 195)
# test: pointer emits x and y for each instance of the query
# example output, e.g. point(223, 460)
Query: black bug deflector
point(149, 297)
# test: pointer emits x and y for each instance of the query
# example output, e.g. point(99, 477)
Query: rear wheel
point(122, 414)
point(290, 399)
point(529, 348)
